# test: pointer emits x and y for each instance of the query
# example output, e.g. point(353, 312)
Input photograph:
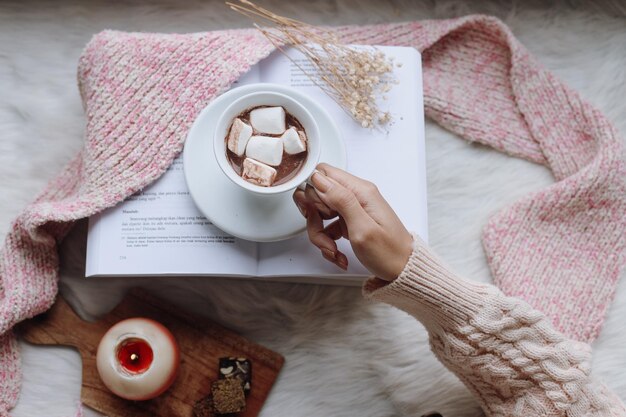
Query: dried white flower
point(353, 77)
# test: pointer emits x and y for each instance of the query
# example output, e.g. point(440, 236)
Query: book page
point(159, 231)
point(393, 158)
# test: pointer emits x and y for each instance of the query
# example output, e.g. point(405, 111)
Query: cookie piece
point(238, 368)
point(204, 407)
point(228, 396)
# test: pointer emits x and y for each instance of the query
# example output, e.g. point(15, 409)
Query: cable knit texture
point(560, 249)
point(507, 353)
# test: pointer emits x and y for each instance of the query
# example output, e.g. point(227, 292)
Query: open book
point(159, 231)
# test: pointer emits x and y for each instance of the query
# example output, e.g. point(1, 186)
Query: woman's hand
point(376, 234)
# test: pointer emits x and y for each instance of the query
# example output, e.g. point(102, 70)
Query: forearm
point(508, 354)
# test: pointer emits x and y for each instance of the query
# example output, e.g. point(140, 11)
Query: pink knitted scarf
point(560, 249)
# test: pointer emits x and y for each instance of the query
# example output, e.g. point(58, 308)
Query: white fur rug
point(344, 356)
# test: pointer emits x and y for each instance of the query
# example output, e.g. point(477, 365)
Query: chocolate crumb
point(204, 407)
point(228, 396)
point(237, 367)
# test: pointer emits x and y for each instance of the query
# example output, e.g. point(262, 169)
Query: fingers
point(363, 189)
point(315, 229)
point(301, 202)
point(343, 177)
point(342, 200)
point(323, 238)
point(338, 259)
point(337, 229)
point(325, 211)
point(366, 193)
point(310, 197)
point(376, 234)
point(319, 237)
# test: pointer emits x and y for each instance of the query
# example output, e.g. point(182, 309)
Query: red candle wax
point(135, 355)
point(138, 359)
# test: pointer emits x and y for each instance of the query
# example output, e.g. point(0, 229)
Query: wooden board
point(202, 342)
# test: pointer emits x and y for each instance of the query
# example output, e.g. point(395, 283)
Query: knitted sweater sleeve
point(505, 352)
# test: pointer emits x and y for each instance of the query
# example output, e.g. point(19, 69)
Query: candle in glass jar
point(138, 359)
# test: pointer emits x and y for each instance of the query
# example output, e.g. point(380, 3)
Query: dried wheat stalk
point(354, 78)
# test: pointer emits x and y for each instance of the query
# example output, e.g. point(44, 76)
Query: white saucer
point(237, 211)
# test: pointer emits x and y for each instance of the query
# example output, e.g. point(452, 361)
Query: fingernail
point(320, 182)
point(302, 209)
point(342, 261)
point(329, 254)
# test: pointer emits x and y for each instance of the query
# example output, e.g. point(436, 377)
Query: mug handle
point(307, 182)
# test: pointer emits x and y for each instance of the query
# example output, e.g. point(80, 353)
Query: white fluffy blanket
point(344, 356)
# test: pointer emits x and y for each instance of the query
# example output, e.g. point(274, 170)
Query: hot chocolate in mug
point(292, 108)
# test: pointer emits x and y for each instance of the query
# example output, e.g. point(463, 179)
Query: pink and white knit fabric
point(560, 249)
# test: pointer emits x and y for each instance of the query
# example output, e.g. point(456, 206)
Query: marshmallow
point(265, 149)
point(238, 137)
point(294, 141)
point(258, 173)
point(268, 120)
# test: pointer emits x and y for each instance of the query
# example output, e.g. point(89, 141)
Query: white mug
point(267, 98)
